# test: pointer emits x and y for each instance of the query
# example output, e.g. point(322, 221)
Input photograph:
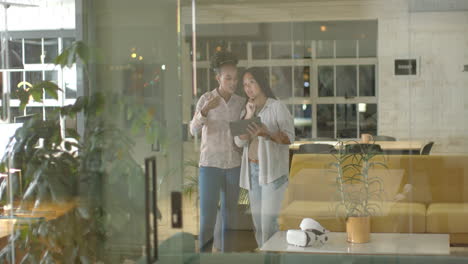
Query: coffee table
point(380, 243)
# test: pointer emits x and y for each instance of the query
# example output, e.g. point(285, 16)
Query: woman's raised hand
point(213, 102)
point(249, 109)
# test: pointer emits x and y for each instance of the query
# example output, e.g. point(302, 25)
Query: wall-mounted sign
point(405, 67)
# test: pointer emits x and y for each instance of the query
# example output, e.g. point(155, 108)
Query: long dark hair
point(261, 78)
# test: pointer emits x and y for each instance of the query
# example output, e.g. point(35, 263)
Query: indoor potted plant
point(359, 193)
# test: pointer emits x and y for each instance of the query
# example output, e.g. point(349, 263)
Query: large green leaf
point(49, 87)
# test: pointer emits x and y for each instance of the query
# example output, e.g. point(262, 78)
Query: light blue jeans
point(265, 204)
point(213, 183)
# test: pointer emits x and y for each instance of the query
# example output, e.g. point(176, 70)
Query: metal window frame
point(313, 63)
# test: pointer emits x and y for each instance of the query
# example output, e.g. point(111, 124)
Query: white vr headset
point(311, 233)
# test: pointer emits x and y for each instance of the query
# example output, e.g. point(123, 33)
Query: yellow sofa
point(438, 202)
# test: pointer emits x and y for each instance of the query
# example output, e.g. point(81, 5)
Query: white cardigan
point(273, 158)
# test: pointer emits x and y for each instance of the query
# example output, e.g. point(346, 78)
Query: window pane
point(213, 83)
point(302, 81)
point(281, 50)
point(240, 49)
point(201, 50)
point(367, 48)
point(202, 81)
point(324, 49)
point(14, 112)
point(32, 51)
point(281, 81)
point(259, 50)
point(240, 86)
point(69, 82)
point(50, 50)
point(216, 45)
point(302, 120)
point(33, 76)
point(67, 42)
point(326, 120)
point(346, 49)
point(302, 50)
point(15, 78)
point(346, 121)
point(346, 81)
point(325, 81)
point(50, 76)
point(368, 118)
point(15, 54)
point(367, 80)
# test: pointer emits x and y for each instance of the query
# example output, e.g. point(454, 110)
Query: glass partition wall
point(120, 153)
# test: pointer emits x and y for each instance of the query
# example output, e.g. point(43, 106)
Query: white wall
point(431, 106)
point(48, 15)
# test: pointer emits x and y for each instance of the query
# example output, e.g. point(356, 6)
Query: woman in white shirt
point(219, 157)
point(265, 158)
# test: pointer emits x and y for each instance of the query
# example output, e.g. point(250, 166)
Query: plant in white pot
point(359, 193)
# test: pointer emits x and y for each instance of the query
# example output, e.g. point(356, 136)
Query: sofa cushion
point(447, 218)
point(392, 217)
point(400, 217)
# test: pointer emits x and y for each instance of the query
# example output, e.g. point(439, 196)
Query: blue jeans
point(265, 204)
point(213, 182)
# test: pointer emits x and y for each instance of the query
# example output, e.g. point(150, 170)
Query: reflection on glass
point(325, 120)
point(302, 81)
point(367, 48)
point(346, 49)
point(302, 50)
point(15, 79)
point(32, 51)
point(346, 81)
point(240, 49)
point(281, 80)
point(281, 50)
point(50, 50)
point(325, 81)
point(367, 80)
point(302, 120)
point(324, 48)
point(368, 118)
point(69, 82)
point(259, 50)
point(202, 81)
point(346, 119)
